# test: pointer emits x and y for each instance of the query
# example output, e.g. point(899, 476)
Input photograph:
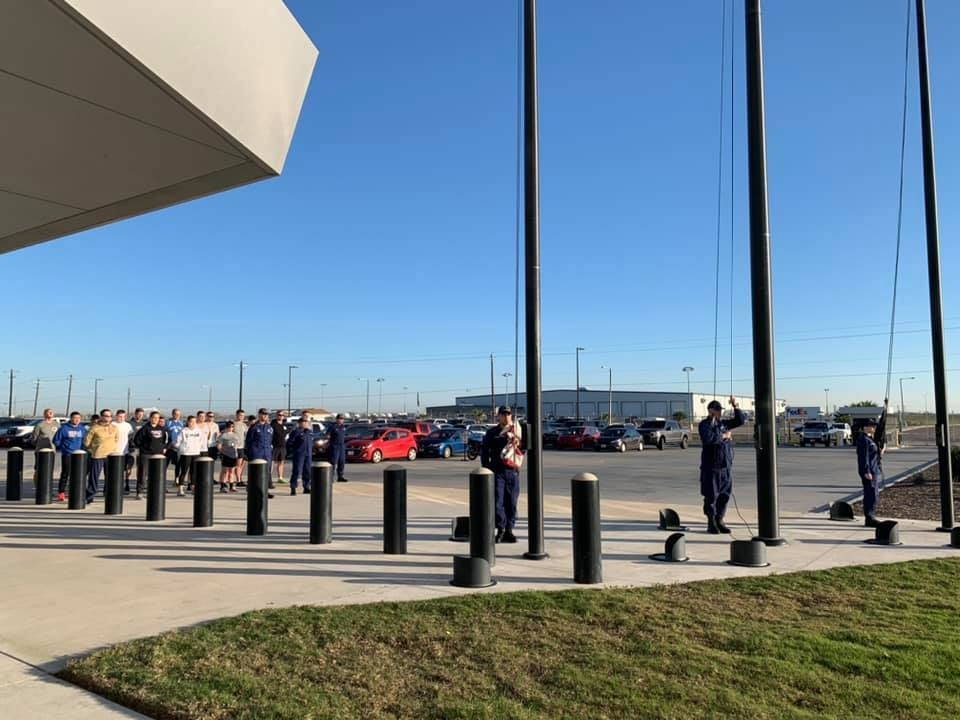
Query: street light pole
point(688, 369)
point(290, 369)
point(368, 394)
point(322, 386)
point(506, 388)
point(69, 395)
point(902, 422)
point(609, 393)
point(826, 401)
point(380, 395)
point(36, 396)
point(96, 394)
point(405, 388)
point(240, 402)
point(579, 350)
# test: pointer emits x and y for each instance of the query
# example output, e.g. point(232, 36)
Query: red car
point(578, 438)
point(373, 444)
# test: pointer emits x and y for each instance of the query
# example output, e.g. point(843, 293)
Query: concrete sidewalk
point(79, 580)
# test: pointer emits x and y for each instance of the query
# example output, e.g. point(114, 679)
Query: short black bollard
point(43, 486)
point(203, 492)
point(113, 490)
point(460, 529)
point(395, 510)
point(14, 474)
point(674, 550)
point(955, 537)
point(321, 503)
point(670, 521)
point(257, 480)
point(482, 520)
point(156, 488)
point(585, 494)
point(886, 533)
point(748, 553)
point(77, 489)
point(841, 511)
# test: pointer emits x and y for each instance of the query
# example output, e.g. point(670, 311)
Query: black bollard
point(257, 480)
point(203, 492)
point(43, 486)
point(321, 503)
point(482, 523)
point(955, 537)
point(77, 489)
point(395, 510)
point(156, 488)
point(113, 490)
point(585, 494)
point(14, 474)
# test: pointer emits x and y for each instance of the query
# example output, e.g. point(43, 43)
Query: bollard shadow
point(388, 560)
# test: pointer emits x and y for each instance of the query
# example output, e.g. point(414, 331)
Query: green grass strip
point(879, 641)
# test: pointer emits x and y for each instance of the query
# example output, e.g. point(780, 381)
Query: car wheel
point(684, 442)
point(661, 444)
point(447, 452)
point(412, 454)
point(376, 457)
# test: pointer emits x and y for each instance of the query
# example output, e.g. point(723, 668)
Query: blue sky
point(386, 249)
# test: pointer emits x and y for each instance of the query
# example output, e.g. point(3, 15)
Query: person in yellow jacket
point(102, 439)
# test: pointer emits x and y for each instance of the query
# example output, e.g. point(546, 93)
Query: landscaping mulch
point(916, 498)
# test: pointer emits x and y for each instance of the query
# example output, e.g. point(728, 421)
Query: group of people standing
point(182, 441)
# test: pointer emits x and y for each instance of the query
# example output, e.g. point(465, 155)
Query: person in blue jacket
point(300, 451)
point(337, 447)
point(258, 444)
point(716, 463)
point(871, 474)
point(67, 440)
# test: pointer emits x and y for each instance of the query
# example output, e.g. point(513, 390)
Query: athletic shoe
point(232, 489)
point(269, 496)
point(870, 521)
point(180, 492)
point(281, 481)
point(61, 497)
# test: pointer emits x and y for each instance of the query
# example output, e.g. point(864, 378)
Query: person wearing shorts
point(240, 428)
point(227, 445)
point(279, 445)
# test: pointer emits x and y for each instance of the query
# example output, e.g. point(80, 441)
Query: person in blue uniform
point(506, 479)
point(716, 463)
point(871, 474)
point(300, 451)
point(337, 447)
point(258, 445)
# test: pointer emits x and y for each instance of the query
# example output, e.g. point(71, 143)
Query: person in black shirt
point(337, 447)
point(150, 439)
point(506, 479)
point(279, 445)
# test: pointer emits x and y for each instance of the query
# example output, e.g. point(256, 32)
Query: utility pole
point(96, 394)
point(493, 395)
point(826, 402)
point(322, 386)
point(933, 274)
point(368, 394)
point(69, 395)
point(531, 233)
point(765, 434)
point(209, 397)
point(10, 397)
point(36, 396)
point(579, 350)
point(405, 399)
point(128, 401)
point(688, 369)
point(506, 388)
point(240, 401)
point(290, 369)
point(380, 381)
point(609, 393)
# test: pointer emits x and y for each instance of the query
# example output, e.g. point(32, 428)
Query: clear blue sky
point(386, 248)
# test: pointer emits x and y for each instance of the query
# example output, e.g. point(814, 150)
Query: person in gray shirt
point(227, 443)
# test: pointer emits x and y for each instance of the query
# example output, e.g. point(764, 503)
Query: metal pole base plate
point(471, 572)
point(536, 556)
point(771, 542)
point(748, 553)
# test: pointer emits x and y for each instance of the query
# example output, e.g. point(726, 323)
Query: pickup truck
point(661, 433)
point(820, 432)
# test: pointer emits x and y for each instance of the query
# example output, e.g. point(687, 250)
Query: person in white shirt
point(190, 445)
point(124, 435)
point(213, 434)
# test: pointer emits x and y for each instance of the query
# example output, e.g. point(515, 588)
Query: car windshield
point(816, 426)
point(614, 432)
point(654, 425)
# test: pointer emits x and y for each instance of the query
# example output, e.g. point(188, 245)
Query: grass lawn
point(864, 642)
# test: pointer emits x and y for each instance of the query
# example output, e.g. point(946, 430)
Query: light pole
point(240, 401)
point(290, 369)
point(405, 388)
point(826, 401)
point(902, 423)
point(380, 395)
point(96, 393)
point(322, 386)
point(368, 394)
point(36, 396)
point(609, 393)
point(579, 350)
point(688, 369)
point(506, 388)
point(209, 389)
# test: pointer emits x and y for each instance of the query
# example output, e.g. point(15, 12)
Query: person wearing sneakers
point(300, 450)
point(68, 440)
point(871, 474)
point(150, 439)
point(240, 428)
point(259, 442)
point(125, 435)
point(191, 445)
point(506, 479)
point(227, 446)
point(102, 440)
point(716, 463)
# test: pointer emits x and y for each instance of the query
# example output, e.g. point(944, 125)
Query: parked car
point(443, 443)
point(619, 438)
point(420, 428)
point(374, 444)
point(19, 433)
point(551, 432)
point(820, 432)
point(578, 438)
point(844, 431)
point(660, 433)
point(476, 432)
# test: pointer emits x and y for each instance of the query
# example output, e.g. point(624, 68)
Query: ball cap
point(340, 416)
point(263, 411)
point(714, 405)
point(870, 422)
point(504, 410)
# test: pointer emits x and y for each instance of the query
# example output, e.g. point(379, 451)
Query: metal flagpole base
point(536, 556)
point(772, 542)
point(945, 529)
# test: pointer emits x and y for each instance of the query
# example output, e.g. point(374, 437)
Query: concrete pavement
point(127, 578)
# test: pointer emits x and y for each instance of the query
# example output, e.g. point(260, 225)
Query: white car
point(843, 432)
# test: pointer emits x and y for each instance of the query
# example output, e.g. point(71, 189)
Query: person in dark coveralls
point(300, 451)
point(868, 467)
point(337, 447)
point(716, 463)
point(506, 479)
point(258, 444)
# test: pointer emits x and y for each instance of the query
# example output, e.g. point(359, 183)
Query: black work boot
point(509, 537)
point(722, 527)
point(499, 536)
point(870, 521)
point(712, 528)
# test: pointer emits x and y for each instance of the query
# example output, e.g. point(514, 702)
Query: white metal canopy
point(113, 108)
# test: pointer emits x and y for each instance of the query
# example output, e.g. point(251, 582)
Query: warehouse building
point(596, 404)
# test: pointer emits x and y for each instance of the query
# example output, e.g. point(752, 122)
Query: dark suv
point(664, 432)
